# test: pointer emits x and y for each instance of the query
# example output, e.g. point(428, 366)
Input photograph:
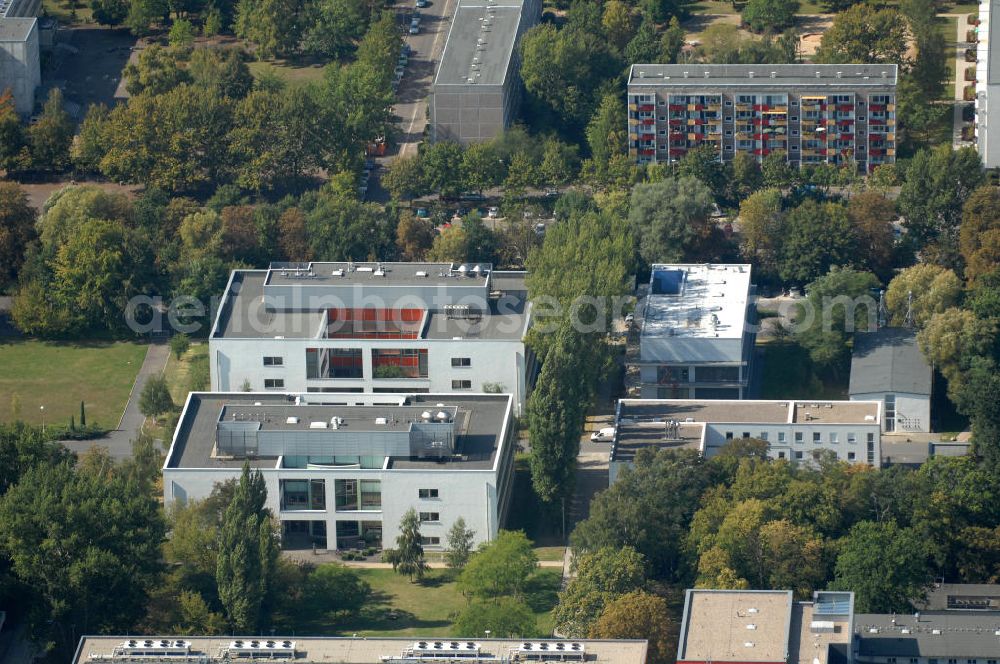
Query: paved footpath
point(324, 556)
point(119, 441)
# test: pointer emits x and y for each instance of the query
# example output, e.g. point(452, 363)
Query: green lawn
point(180, 376)
point(63, 11)
point(726, 7)
point(294, 74)
point(428, 608)
point(58, 375)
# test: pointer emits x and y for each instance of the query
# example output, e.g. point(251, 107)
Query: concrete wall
point(498, 361)
point(913, 411)
point(20, 69)
point(715, 438)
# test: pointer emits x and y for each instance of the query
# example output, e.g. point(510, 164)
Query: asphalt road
point(427, 46)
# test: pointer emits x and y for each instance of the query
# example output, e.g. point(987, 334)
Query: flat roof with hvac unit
point(310, 650)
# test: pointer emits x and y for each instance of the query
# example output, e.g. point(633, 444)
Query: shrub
point(179, 344)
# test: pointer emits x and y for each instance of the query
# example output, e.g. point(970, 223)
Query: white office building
point(342, 469)
point(374, 328)
point(696, 332)
point(798, 431)
point(988, 84)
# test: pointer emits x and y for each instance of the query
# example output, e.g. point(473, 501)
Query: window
point(729, 435)
point(817, 437)
point(795, 148)
point(729, 102)
point(798, 455)
point(430, 516)
point(273, 361)
point(890, 412)
point(729, 147)
point(852, 437)
point(851, 456)
point(303, 494)
point(461, 362)
point(461, 384)
point(763, 435)
point(663, 132)
point(833, 437)
point(746, 434)
point(795, 132)
point(861, 117)
point(729, 132)
point(781, 455)
point(798, 436)
point(274, 383)
point(427, 493)
point(729, 118)
point(781, 436)
point(795, 118)
point(346, 492)
point(430, 541)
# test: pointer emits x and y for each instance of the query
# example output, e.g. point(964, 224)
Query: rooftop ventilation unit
point(552, 650)
point(421, 273)
point(155, 648)
point(292, 420)
point(426, 415)
point(317, 425)
point(751, 626)
point(381, 420)
point(261, 649)
point(337, 273)
point(442, 416)
point(365, 268)
point(752, 609)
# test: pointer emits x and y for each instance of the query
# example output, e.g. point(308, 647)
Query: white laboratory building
point(373, 328)
point(696, 333)
point(797, 431)
point(342, 469)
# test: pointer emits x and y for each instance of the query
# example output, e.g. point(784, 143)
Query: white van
point(605, 435)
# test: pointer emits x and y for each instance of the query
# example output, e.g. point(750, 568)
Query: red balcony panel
point(876, 108)
point(677, 152)
point(646, 108)
point(845, 107)
point(761, 107)
point(676, 122)
point(648, 121)
point(677, 107)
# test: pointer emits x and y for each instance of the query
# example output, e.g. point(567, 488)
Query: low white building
point(342, 469)
point(794, 430)
point(888, 366)
point(695, 332)
point(374, 328)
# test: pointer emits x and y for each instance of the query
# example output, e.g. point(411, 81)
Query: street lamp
point(487, 633)
point(42, 408)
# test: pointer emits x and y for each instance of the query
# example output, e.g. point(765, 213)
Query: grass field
point(189, 373)
point(58, 375)
point(293, 74)
point(401, 608)
point(63, 11)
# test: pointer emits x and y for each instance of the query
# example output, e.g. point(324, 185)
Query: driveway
point(119, 441)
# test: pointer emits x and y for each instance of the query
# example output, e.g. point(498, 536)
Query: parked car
point(550, 192)
point(493, 212)
point(414, 27)
point(605, 435)
point(422, 3)
point(422, 213)
point(629, 318)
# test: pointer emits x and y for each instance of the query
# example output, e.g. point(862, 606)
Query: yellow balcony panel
point(891, 152)
point(890, 107)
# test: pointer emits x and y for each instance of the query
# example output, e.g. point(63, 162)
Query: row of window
point(933, 660)
point(851, 456)
point(817, 436)
point(774, 101)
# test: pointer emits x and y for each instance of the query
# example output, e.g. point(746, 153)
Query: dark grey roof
point(889, 360)
point(16, 29)
point(19, 8)
point(939, 634)
point(784, 75)
point(984, 597)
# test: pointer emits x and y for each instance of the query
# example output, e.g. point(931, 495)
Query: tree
point(109, 12)
point(451, 245)
point(949, 341)
point(841, 304)
point(248, 552)
point(618, 22)
point(459, 544)
point(223, 70)
point(979, 233)
point(157, 70)
point(270, 24)
point(671, 219)
point(142, 14)
point(14, 155)
point(500, 568)
point(601, 577)
point(762, 228)
point(292, 235)
point(746, 177)
point(17, 230)
point(408, 556)
point(179, 344)
point(481, 167)
point(181, 34)
point(404, 178)
point(938, 182)
point(334, 589)
point(977, 398)
point(606, 136)
point(704, 164)
point(50, 137)
point(776, 171)
point(560, 162)
point(23, 447)
point(504, 618)
point(872, 216)
point(817, 236)
point(770, 15)
point(639, 615)
point(884, 565)
point(414, 237)
point(334, 26)
point(441, 164)
point(923, 289)
point(865, 34)
point(155, 398)
point(648, 508)
point(645, 45)
point(86, 545)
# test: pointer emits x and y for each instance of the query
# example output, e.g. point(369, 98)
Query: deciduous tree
point(408, 556)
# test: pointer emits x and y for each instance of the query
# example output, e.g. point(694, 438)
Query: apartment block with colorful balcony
point(813, 114)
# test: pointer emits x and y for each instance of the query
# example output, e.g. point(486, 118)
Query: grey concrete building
point(20, 65)
point(887, 366)
point(988, 84)
point(813, 114)
point(476, 88)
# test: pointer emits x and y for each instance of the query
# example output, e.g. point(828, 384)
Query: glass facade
point(358, 495)
point(303, 494)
